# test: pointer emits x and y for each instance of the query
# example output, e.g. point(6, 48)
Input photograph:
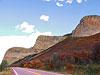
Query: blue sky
point(63, 19)
point(22, 21)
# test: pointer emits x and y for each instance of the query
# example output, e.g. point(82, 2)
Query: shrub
point(96, 52)
point(3, 65)
point(69, 66)
point(71, 72)
point(87, 70)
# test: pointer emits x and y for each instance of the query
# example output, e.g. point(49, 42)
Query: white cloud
point(7, 42)
point(44, 18)
point(47, 0)
point(61, 0)
point(65, 1)
point(59, 4)
point(25, 27)
point(69, 1)
point(79, 1)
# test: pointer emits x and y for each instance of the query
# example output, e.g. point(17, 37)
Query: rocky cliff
point(16, 53)
point(73, 50)
point(89, 25)
point(42, 43)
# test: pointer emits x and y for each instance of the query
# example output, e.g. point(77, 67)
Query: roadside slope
point(42, 43)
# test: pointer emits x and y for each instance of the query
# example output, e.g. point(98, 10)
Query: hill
point(73, 50)
point(42, 43)
point(89, 25)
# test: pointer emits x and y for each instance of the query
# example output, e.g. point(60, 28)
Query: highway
point(26, 71)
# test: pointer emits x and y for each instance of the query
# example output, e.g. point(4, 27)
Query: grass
point(87, 70)
point(9, 71)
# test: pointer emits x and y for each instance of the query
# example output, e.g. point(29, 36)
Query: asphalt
point(26, 71)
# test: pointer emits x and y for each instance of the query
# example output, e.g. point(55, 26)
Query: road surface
point(25, 71)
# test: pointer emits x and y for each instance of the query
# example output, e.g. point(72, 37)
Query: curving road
point(25, 71)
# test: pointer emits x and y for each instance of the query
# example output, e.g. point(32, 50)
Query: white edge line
point(15, 72)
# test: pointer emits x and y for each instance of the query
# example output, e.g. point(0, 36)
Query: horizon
point(21, 22)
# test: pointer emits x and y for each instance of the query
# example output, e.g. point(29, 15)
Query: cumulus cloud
point(61, 0)
point(66, 1)
point(44, 18)
point(79, 1)
point(69, 1)
point(7, 42)
point(47, 0)
point(25, 27)
point(59, 4)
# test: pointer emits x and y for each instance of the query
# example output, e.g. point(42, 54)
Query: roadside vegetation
point(9, 71)
point(4, 69)
point(4, 65)
point(83, 60)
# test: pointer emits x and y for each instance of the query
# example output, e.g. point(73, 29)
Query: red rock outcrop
point(42, 43)
point(16, 53)
point(89, 25)
point(75, 50)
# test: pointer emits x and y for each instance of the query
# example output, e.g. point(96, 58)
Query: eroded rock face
point(16, 53)
point(73, 50)
point(88, 26)
point(42, 43)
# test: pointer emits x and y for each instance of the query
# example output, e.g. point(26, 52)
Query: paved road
point(25, 71)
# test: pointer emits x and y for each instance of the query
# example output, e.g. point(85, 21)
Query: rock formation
point(89, 25)
point(42, 43)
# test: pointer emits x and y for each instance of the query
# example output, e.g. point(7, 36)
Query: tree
point(3, 65)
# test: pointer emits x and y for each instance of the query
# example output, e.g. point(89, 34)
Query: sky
point(22, 21)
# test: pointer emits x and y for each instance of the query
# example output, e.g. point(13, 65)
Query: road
point(25, 71)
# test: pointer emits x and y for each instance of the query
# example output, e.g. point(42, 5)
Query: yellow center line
point(31, 72)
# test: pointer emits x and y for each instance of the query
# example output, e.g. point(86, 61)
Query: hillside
point(75, 50)
point(78, 53)
point(16, 53)
point(42, 43)
point(89, 25)
point(77, 41)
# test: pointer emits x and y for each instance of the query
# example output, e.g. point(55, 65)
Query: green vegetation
point(74, 55)
point(83, 65)
point(9, 71)
point(85, 70)
point(3, 65)
point(4, 69)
